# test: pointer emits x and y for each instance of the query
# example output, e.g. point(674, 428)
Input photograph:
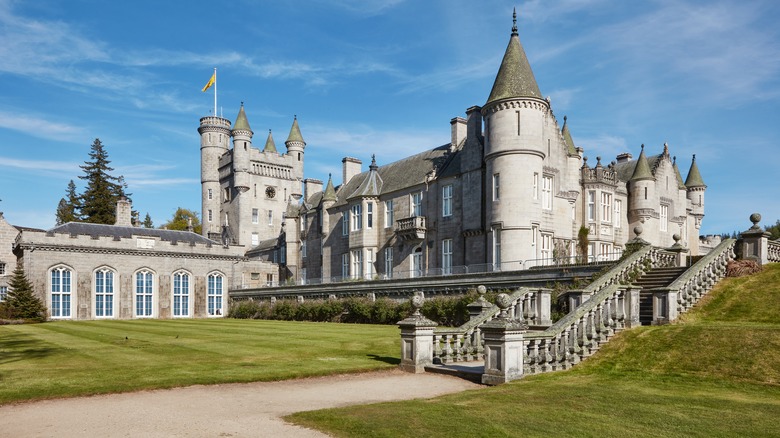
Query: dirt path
point(235, 410)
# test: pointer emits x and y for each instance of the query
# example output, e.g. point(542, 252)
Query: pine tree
point(103, 190)
point(68, 208)
point(21, 302)
point(147, 223)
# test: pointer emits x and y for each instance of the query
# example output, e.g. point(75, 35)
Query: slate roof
point(295, 132)
point(694, 177)
point(515, 77)
point(330, 191)
point(372, 183)
point(626, 169)
point(242, 124)
point(86, 229)
point(404, 173)
point(680, 183)
point(270, 146)
point(567, 137)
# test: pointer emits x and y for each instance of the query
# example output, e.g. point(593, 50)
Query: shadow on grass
point(385, 359)
point(16, 347)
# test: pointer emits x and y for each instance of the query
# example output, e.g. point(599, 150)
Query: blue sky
point(379, 77)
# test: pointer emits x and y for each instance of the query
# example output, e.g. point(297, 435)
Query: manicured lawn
point(716, 373)
point(63, 359)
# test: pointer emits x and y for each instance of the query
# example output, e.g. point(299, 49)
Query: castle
point(510, 190)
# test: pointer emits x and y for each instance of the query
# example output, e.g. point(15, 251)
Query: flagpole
point(215, 92)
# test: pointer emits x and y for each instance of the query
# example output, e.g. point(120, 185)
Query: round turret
point(214, 141)
point(242, 144)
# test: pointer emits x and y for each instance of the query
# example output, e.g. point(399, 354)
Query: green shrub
point(243, 309)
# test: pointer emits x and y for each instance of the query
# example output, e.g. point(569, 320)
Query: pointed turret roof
point(295, 133)
point(567, 137)
point(677, 174)
point(515, 77)
point(371, 184)
point(330, 191)
point(242, 124)
point(642, 169)
point(270, 146)
point(694, 177)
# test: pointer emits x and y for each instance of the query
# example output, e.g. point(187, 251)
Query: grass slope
point(716, 373)
point(63, 359)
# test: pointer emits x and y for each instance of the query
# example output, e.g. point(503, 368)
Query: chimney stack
point(351, 167)
point(124, 213)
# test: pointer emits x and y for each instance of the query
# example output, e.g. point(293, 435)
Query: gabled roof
point(117, 232)
point(694, 177)
point(270, 146)
point(515, 77)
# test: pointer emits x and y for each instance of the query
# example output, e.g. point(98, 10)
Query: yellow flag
point(210, 82)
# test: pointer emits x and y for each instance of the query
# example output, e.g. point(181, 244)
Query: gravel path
point(234, 410)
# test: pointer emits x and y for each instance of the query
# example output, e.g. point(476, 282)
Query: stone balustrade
point(702, 276)
point(773, 251)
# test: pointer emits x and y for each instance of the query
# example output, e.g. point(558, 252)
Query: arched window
point(181, 294)
point(214, 294)
point(60, 289)
point(104, 293)
point(144, 293)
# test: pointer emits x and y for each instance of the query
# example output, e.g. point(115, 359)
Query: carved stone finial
point(481, 289)
point(514, 21)
point(598, 161)
point(755, 218)
point(676, 237)
point(503, 302)
point(643, 146)
point(638, 230)
point(418, 299)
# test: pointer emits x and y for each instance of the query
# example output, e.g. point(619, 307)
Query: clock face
point(270, 192)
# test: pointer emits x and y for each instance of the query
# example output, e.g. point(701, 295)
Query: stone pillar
point(680, 251)
point(477, 307)
point(416, 339)
point(543, 308)
point(576, 298)
point(504, 346)
point(632, 306)
point(754, 242)
point(664, 306)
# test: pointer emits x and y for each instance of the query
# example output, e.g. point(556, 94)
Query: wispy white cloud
point(365, 8)
point(543, 10)
point(40, 127)
point(58, 167)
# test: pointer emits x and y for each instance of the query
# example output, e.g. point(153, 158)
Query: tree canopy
point(21, 302)
point(180, 221)
point(69, 206)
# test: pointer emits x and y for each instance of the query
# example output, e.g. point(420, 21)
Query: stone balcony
point(411, 228)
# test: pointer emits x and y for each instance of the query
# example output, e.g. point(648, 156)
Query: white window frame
point(617, 211)
point(416, 203)
point(496, 248)
point(606, 207)
point(369, 270)
point(446, 200)
point(591, 207)
point(356, 216)
point(255, 216)
point(3, 293)
point(61, 281)
point(255, 239)
point(536, 186)
point(496, 186)
point(144, 298)
point(215, 295)
point(664, 217)
point(545, 251)
point(270, 218)
point(356, 256)
point(370, 215)
point(345, 223)
point(181, 294)
point(446, 256)
point(345, 265)
point(547, 192)
point(417, 263)
point(389, 262)
point(103, 292)
point(389, 213)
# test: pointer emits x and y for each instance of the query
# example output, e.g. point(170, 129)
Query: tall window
point(446, 256)
point(211, 216)
point(303, 275)
point(618, 211)
point(357, 217)
point(606, 207)
point(547, 184)
point(270, 217)
point(536, 185)
point(255, 216)
point(2, 268)
point(214, 294)
point(664, 217)
point(370, 215)
point(3, 293)
point(144, 293)
point(389, 262)
point(303, 249)
point(388, 213)
point(255, 239)
point(60, 292)
point(546, 250)
point(369, 263)
point(417, 262)
point(211, 194)
point(345, 265)
point(104, 293)
point(417, 204)
point(497, 248)
point(496, 186)
point(181, 294)
point(357, 263)
point(345, 223)
point(592, 205)
point(604, 251)
point(446, 200)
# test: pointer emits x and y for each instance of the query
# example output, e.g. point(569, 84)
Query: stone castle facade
point(510, 190)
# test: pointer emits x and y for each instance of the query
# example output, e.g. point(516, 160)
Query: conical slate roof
point(371, 184)
point(514, 78)
point(270, 146)
point(242, 124)
point(295, 133)
point(567, 137)
point(330, 191)
point(642, 169)
point(694, 177)
point(677, 174)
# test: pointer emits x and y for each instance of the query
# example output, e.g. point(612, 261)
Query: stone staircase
point(655, 278)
